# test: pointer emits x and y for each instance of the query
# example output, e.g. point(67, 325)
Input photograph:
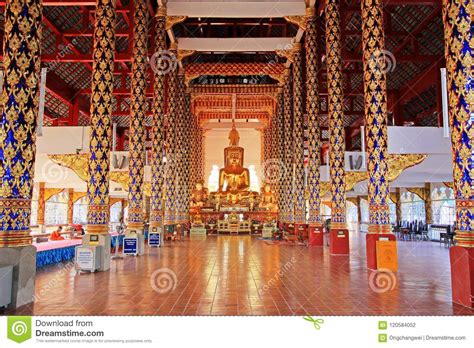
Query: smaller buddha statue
point(268, 198)
point(199, 195)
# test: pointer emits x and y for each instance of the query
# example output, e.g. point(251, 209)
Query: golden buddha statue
point(234, 178)
point(199, 195)
point(268, 198)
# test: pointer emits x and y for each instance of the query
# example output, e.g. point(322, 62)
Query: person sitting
point(56, 235)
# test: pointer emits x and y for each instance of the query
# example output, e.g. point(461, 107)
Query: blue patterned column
point(171, 129)
point(101, 111)
point(298, 132)
point(336, 115)
point(158, 123)
point(459, 46)
point(137, 116)
point(20, 100)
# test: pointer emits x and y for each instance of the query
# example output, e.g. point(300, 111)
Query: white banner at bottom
point(230, 332)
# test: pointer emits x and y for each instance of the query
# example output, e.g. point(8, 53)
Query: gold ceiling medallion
point(300, 21)
point(173, 20)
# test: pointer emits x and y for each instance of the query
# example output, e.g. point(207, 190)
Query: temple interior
point(236, 157)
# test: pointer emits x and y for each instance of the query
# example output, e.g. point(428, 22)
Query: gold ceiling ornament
point(300, 21)
point(310, 12)
point(183, 54)
point(353, 200)
point(279, 77)
point(449, 184)
point(394, 197)
point(421, 192)
point(76, 162)
point(113, 200)
point(77, 196)
point(50, 192)
point(161, 11)
point(397, 163)
point(173, 20)
point(289, 52)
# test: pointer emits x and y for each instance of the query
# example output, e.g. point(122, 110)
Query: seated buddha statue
point(268, 198)
point(234, 178)
point(199, 195)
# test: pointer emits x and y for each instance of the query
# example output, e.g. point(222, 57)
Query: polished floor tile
point(242, 275)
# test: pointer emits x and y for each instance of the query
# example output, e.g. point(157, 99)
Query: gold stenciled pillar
point(288, 163)
point(70, 206)
point(298, 132)
point(179, 150)
point(158, 123)
point(339, 237)
point(101, 109)
point(314, 132)
point(41, 205)
point(171, 129)
point(375, 95)
point(19, 110)
point(459, 45)
point(137, 117)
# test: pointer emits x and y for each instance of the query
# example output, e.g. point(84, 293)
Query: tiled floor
point(242, 275)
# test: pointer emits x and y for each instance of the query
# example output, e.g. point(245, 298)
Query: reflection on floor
point(241, 275)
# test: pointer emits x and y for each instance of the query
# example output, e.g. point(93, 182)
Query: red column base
point(316, 236)
point(462, 275)
point(371, 249)
point(300, 231)
point(339, 241)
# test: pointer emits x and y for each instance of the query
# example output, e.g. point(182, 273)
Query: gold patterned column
point(171, 129)
point(375, 96)
point(298, 131)
point(336, 115)
point(137, 116)
point(101, 109)
point(158, 125)
point(41, 204)
point(179, 150)
point(70, 206)
point(19, 110)
point(280, 176)
point(187, 157)
point(312, 108)
point(459, 45)
point(288, 187)
point(398, 204)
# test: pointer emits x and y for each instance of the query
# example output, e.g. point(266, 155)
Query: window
point(393, 212)
point(116, 212)
point(413, 207)
point(80, 211)
point(443, 205)
point(34, 213)
point(364, 210)
point(351, 212)
point(213, 180)
point(56, 209)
